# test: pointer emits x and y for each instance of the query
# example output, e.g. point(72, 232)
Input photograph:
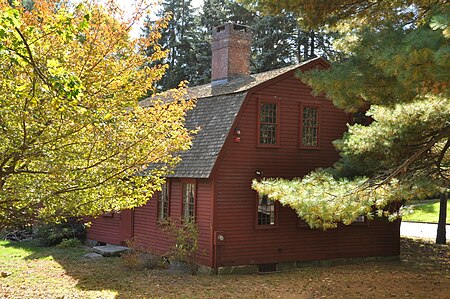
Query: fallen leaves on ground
point(423, 271)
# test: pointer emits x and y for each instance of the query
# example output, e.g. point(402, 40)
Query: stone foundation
point(288, 266)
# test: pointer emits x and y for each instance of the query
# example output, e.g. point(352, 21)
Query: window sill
point(360, 224)
point(314, 148)
point(163, 222)
point(267, 145)
point(303, 226)
point(267, 227)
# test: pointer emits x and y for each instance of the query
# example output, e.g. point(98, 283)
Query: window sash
point(188, 201)
point(268, 123)
point(310, 126)
point(266, 211)
point(360, 219)
point(163, 202)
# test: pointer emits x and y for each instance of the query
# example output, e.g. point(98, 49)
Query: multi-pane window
point(266, 211)
point(360, 219)
point(163, 202)
point(310, 126)
point(268, 123)
point(188, 201)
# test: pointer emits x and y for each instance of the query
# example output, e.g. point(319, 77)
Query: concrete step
point(110, 250)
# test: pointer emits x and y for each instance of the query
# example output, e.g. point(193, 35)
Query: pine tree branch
point(402, 168)
point(441, 157)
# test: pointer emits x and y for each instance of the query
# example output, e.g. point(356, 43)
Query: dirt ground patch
point(423, 271)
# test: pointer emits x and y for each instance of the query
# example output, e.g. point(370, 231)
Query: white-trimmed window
point(266, 211)
point(360, 219)
point(189, 194)
point(268, 123)
point(163, 201)
point(309, 126)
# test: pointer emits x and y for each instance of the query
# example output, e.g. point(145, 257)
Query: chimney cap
point(231, 27)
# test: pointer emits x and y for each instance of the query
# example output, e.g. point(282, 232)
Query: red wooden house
point(252, 126)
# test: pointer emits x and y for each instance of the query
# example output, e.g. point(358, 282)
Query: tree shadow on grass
point(106, 274)
point(110, 274)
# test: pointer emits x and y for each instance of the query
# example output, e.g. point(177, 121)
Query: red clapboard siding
point(236, 202)
point(105, 229)
point(150, 235)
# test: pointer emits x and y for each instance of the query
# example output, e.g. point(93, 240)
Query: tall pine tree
point(177, 38)
point(277, 40)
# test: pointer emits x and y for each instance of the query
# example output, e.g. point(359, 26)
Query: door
point(126, 226)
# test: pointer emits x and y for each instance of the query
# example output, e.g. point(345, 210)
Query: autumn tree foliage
point(74, 140)
point(398, 63)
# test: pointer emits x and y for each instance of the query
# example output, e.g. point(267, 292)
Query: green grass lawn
point(427, 212)
point(51, 272)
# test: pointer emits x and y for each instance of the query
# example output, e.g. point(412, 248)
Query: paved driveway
point(421, 230)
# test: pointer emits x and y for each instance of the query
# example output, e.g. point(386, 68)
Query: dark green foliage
point(178, 39)
point(27, 4)
point(69, 243)
point(397, 61)
point(277, 40)
point(54, 233)
point(273, 46)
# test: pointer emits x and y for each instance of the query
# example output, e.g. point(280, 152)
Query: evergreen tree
point(314, 43)
point(214, 13)
point(277, 40)
point(177, 38)
point(397, 60)
point(273, 44)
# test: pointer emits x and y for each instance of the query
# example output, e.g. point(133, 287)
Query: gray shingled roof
point(214, 116)
point(237, 84)
point(215, 112)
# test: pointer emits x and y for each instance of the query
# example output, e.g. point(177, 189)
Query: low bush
point(186, 243)
point(69, 243)
point(140, 258)
point(54, 233)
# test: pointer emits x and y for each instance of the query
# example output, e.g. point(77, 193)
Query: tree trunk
point(312, 44)
point(440, 238)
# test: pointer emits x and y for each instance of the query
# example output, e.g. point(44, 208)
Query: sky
point(125, 5)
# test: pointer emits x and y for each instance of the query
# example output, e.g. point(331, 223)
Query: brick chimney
point(230, 52)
